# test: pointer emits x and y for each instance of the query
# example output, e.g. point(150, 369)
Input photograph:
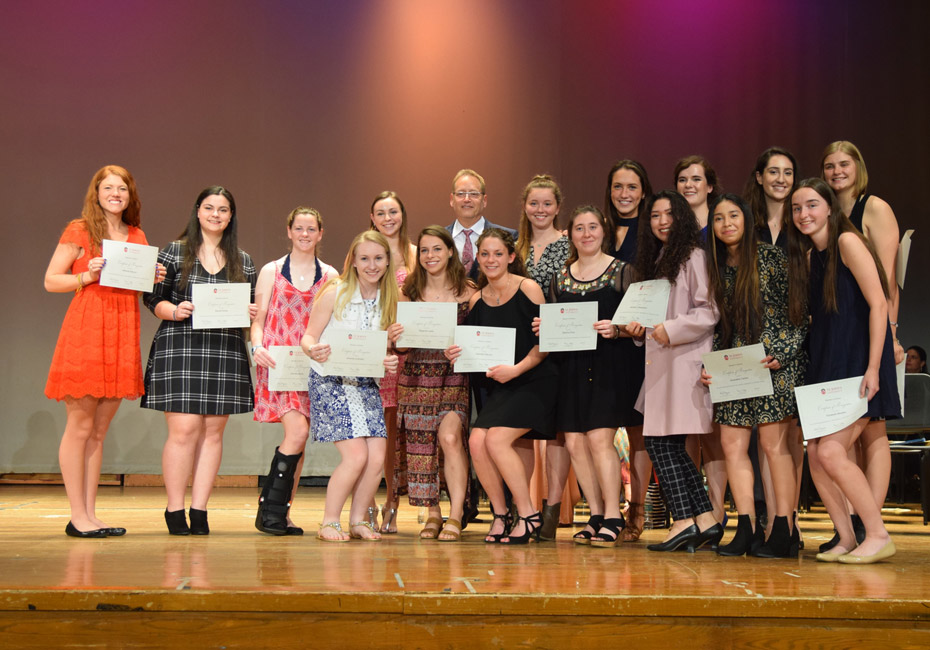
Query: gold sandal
point(335, 525)
point(431, 529)
point(456, 534)
point(364, 524)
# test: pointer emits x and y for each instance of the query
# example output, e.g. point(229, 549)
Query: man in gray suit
point(468, 201)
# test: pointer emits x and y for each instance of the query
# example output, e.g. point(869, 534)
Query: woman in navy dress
point(849, 336)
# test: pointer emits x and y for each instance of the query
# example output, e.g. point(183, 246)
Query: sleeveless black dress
point(598, 388)
point(839, 341)
point(527, 401)
point(858, 210)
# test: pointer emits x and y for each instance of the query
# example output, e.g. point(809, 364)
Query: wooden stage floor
point(241, 589)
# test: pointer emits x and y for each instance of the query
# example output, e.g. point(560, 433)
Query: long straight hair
point(415, 284)
point(192, 239)
point(755, 195)
point(799, 246)
point(741, 312)
point(348, 279)
point(610, 210)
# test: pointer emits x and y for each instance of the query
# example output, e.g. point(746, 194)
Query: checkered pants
point(679, 479)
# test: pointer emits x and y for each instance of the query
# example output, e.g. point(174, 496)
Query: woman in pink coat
point(673, 401)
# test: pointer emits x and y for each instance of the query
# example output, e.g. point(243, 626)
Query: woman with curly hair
point(673, 402)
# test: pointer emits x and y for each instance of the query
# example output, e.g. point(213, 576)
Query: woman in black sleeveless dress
point(520, 398)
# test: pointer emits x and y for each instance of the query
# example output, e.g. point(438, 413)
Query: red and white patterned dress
point(285, 324)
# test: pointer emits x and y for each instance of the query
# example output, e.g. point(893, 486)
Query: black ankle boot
point(177, 522)
point(199, 524)
point(275, 500)
point(743, 541)
point(779, 542)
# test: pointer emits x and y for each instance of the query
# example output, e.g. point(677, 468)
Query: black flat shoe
point(114, 532)
point(199, 525)
point(71, 531)
point(177, 523)
point(687, 537)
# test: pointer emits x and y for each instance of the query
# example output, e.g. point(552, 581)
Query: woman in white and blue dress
point(198, 377)
point(347, 410)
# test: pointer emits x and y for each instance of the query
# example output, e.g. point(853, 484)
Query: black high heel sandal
point(612, 526)
point(495, 539)
point(531, 526)
point(584, 537)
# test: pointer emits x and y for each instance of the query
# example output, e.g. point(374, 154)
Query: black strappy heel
point(531, 526)
point(496, 539)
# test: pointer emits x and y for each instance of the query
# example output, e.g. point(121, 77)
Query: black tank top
point(858, 210)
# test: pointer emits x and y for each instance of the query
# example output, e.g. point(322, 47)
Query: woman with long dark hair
point(850, 335)
point(97, 362)
point(673, 402)
point(433, 409)
point(197, 377)
point(751, 289)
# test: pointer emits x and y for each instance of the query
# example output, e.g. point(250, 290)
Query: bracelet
point(174, 314)
point(892, 323)
point(80, 280)
point(616, 331)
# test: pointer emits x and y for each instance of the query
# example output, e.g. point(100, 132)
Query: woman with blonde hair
point(347, 410)
point(843, 168)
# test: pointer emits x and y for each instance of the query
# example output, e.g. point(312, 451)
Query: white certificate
point(738, 373)
point(645, 303)
point(220, 305)
point(129, 266)
point(428, 325)
point(483, 347)
point(830, 406)
point(291, 368)
point(353, 353)
point(904, 252)
point(567, 327)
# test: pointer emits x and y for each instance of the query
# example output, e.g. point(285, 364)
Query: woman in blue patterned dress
point(347, 410)
point(198, 377)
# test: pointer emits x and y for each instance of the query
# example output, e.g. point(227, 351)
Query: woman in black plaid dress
point(197, 377)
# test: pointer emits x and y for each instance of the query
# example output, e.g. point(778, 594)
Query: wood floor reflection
point(242, 573)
